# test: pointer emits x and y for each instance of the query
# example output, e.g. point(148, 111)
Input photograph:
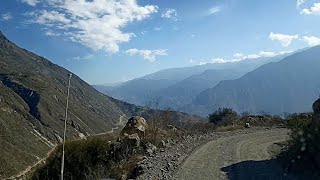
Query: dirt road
point(241, 157)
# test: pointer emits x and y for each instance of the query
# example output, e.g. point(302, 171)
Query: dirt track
point(241, 157)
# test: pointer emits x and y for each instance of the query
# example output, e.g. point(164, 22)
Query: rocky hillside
point(32, 104)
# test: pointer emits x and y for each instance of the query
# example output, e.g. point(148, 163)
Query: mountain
point(33, 96)
point(183, 92)
point(138, 91)
point(289, 85)
point(103, 88)
point(177, 87)
point(32, 107)
point(178, 74)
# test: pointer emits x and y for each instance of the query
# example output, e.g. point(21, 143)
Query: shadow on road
point(258, 170)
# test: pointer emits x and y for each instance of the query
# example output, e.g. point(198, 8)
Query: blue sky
point(105, 41)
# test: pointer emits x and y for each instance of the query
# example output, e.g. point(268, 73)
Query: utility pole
point(65, 127)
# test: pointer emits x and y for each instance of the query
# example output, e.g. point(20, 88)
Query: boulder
point(172, 128)
point(150, 149)
point(132, 140)
point(134, 125)
point(316, 110)
point(316, 107)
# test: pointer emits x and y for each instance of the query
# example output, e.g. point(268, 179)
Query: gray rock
point(163, 144)
point(132, 139)
point(316, 107)
point(150, 149)
point(134, 125)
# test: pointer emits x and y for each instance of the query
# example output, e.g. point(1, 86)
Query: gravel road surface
point(238, 157)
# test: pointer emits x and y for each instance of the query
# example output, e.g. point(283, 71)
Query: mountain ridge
point(275, 88)
point(175, 87)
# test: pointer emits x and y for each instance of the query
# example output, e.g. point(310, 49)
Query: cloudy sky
point(105, 41)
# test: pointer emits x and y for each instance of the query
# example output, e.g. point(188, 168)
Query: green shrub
point(84, 159)
point(303, 152)
point(299, 121)
point(223, 116)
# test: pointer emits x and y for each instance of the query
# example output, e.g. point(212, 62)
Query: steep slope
point(32, 103)
point(32, 106)
point(290, 85)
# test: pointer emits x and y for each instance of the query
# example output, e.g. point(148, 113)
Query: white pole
point(65, 127)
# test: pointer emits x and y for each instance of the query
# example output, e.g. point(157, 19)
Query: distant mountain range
point(177, 87)
point(282, 84)
point(32, 107)
point(287, 86)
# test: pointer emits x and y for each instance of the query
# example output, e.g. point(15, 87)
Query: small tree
point(223, 116)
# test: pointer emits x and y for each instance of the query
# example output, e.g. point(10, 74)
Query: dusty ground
point(239, 156)
point(203, 156)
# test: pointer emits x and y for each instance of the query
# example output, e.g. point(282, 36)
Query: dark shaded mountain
point(32, 107)
point(177, 87)
point(183, 92)
point(138, 91)
point(289, 85)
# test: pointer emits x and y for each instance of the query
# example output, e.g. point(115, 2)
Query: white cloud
point(284, 39)
point(148, 55)
point(314, 10)
point(157, 28)
point(96, 24)
point(300, 2)
point(6, 16)
point(52, 18)
point(86, 57)
point(267, 54)
point(214, 10)
point(51, 33)
point(311, 40)
point(31, 2)
point(240, 56)
point(170, 14)
point(143, 32)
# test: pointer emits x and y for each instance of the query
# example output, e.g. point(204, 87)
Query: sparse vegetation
point(227, 119)
point(298, 122)
point(94, 158)
point(223, 116)
point(303, 153)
